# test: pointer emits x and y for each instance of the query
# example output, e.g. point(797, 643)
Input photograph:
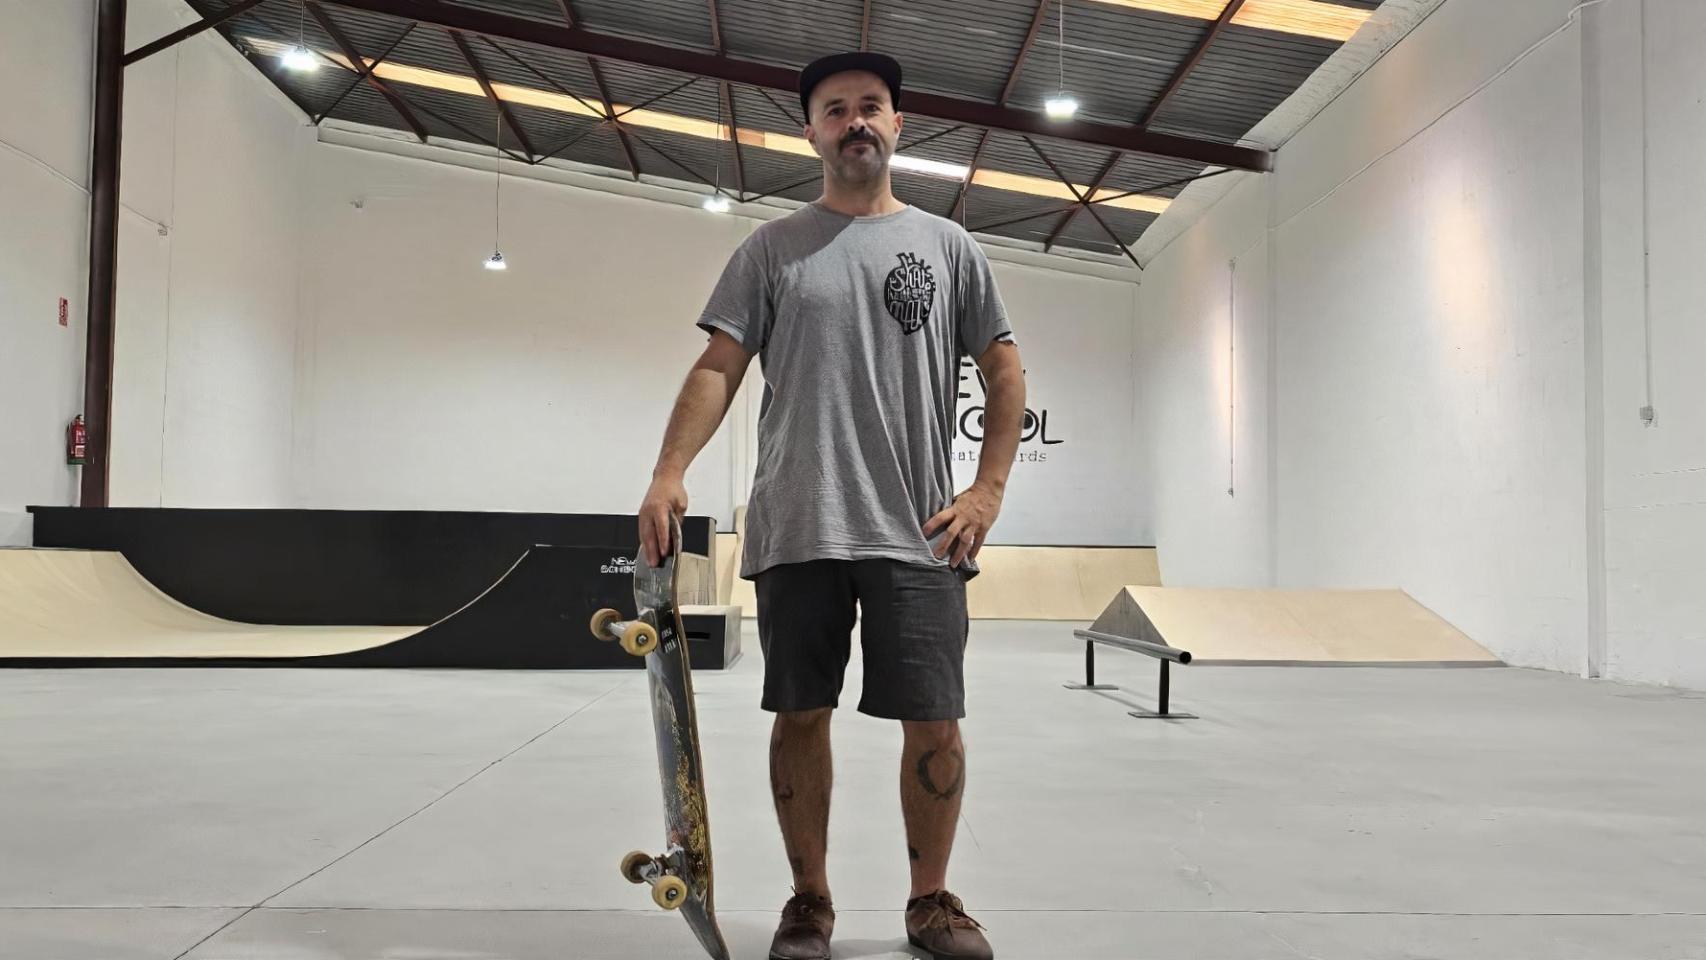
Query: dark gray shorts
point(913, 633)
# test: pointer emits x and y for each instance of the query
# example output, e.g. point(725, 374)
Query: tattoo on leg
point(784, 792)
point(929, 784)
point(912, 852)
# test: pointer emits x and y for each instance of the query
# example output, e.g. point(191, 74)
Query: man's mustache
point(858, 136)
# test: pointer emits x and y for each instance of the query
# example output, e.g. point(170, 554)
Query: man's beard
point(863, 167)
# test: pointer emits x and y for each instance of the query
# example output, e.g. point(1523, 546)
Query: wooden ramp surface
point(1290, 626)
point(84, 603)
point(1054, 583)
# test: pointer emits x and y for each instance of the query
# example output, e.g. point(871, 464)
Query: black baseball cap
point(886, 67)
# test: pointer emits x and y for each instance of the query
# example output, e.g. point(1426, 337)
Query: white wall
point(1430, 409)
point(1430, 399)
point(1078, 479)
point(427, 382)
point(207, 266)
point(1654, 476)
point(430, 383)
point(1203, 397)
point(204, 378)
point(45, 83)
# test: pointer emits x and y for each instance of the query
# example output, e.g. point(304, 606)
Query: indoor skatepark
point(1362, 444)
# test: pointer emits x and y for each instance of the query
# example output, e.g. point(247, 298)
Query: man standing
point(860, 307)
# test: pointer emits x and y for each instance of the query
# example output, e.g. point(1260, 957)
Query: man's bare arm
point(969, 518)
point(704, 400)
point(1003, 414)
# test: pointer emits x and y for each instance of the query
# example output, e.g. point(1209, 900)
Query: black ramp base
point(333, 567)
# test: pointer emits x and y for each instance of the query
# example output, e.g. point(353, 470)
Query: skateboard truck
point(636, 637)
point(663, 873)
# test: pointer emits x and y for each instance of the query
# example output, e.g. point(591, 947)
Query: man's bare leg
point(932, 780)
point(800, 779)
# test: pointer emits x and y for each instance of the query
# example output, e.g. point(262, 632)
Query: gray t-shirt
point(859, 324)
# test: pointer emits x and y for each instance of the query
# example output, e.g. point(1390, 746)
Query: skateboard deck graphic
point(680, 876)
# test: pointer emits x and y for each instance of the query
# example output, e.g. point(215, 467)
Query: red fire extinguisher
point(76, 442)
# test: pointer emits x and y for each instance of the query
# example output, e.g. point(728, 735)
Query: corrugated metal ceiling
point(1117, 59)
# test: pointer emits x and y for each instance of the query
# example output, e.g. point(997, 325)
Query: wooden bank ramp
point(86, 603)
point(1054, 583)
point(1291, 626)
point(64, 608)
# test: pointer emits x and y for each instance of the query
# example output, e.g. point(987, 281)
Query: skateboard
point(680, 877)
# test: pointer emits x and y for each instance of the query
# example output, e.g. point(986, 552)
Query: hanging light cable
point(717, 202)
point(496, 260)
point(1061, 106)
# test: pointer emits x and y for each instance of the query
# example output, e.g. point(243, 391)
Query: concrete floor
point(1311, 813)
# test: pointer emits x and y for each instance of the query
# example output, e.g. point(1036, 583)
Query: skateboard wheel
point(640, 638)
point(601, 622)
point(670, 892)
point(632, 863)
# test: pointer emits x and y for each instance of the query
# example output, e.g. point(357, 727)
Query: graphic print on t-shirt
point(909, 292)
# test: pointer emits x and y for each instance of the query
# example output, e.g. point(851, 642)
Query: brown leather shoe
point(807, 922)
point(937, 924)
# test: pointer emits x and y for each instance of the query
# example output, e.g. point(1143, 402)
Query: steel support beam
point(734, 136)
point(530, 68)
point(1173, 84)
point(726, 93)
point(1006, 94)
point(361, 76)
point(610, 113)
point(783, 109)
point(569, 21)
point(684, 168)
point(1083, 201)
point(356, 63)
point(1024, 51)
point(178, 36)
point(1179, 76)
point(1052, 211)
point(1072, 214)
point(971, 174)
point(103, 249)
point(492, 95)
